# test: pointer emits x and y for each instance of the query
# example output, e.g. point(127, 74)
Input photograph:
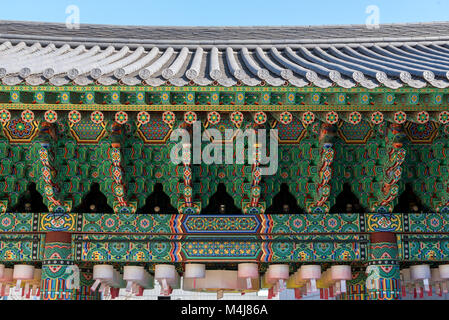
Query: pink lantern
point(248, 271)
point(23, 272)
point(278, 274)
point(5, 281)
point(341, 274)
point(311, 273)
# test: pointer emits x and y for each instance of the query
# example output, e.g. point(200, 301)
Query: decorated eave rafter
point(356, 58)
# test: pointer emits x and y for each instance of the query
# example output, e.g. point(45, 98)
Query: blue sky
point(226, 12)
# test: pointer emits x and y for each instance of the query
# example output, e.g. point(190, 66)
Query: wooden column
point(383, 281)
point(57, 267)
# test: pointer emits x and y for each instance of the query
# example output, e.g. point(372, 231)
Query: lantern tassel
point(426, 284)
point(343, 285)
point(18, 283)
point(129, 285)
point(164, 284)
point(249, 284)
point(95, 285)
point(313, 285)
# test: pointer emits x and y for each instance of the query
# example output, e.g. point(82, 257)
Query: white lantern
point(176, 282)
point(133, 275)
point(102, 274)
point(444, 271)
point(436, 280)
point(165, 273)
point(279, 273)
point(444, 274)
point(195, 271)
point(248, 271)
point(311, 273)
point(421, 273)
point(214, 280)
point(341, 274)
point(22, 272)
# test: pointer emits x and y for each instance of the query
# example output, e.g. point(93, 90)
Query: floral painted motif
point(74, 116)
point(332, 117)
point(168, 117)
point(97, 117)
point(5, 116)
point(121, 117)
point(260, 118)
point(143, 117)
point(308, 117)
point(190, 117)
point(50, 116)
point(28, 116)
point(213, 117)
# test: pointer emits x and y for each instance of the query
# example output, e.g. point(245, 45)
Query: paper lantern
point(7, 275)
point(341, 274)
point(311, 273)
point(325, 283)
point(175, 283)
point(133, 275)
point(36, 282)
point(137, 279)
point(326, 280)
point(291, 284)
point(195, 271)
point(299, 280)
point(279, 271)
point(406, 281)
point(22, 272)
point(436, 280)
point(165, 273)
point(6, 281)
point(102, 274)
point(278, 274)
point(421, 273)
point(444, 271)
point(117, 280)
point(444, 275)
point(248, 271)
point(214, 280)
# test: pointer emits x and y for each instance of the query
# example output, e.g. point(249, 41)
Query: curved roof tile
point(394, 55)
